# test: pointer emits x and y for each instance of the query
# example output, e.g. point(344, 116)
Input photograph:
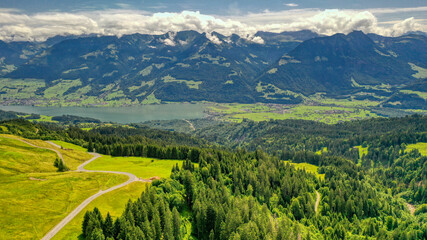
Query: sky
point(36, 20)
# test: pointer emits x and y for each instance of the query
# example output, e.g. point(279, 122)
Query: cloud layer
point(17, 26)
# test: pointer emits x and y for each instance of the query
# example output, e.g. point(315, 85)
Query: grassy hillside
point(72, 157)
point(112, 202)
point(18, 157)
point(307, 167)
point(421, 146)
point(141, 167)
point(34, 197)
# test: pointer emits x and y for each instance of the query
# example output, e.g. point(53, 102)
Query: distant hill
point(339, 63)
point(190, 66)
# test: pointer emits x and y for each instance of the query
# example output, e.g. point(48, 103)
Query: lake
point(131, 114)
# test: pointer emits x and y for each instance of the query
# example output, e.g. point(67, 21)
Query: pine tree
point(176, 224)
point(117, 227)
point(96, 234)
point(296, 209)
point(168, 231)
point(108, 226)
point(156, 225)
point(59, 163)
point(85, 223)
point(90, 146)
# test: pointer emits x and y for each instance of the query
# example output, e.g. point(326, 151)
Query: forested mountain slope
point(362, 190)
point(282, 68)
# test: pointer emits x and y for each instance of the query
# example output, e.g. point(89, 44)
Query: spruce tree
point(108, 226)
point(85, 223)
point(168, 231)
point(176, 224)
point(157, 225)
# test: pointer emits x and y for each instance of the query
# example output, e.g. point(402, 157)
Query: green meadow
point(17, 157)
point(140, 166)
point(262, 112)
point(67, 145)
point(362, 151)
point(38, 197)
point(72, 156)
point(307, 167)
point(34, 197)
point(421, 146)
point(113, 202)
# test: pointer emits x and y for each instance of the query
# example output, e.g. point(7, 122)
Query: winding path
point(67, 219)
point(191, 125)
point(78, 209)
point(317, 202)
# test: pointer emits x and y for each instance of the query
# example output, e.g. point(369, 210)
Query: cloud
point(332, 21)
point(18, 26)
point(291, 4)
point(257, 39)
point(396, 10)
point(213, 38)
point(403, 27)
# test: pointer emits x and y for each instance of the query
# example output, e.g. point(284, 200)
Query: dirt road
point(67, 219)
point(317, 202)
point(191, 125)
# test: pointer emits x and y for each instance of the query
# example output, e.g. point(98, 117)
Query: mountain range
point(186, 66)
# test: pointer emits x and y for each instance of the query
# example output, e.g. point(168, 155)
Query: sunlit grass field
point(37, 197)
point(309, 168)
point(141, 167)
point(72, 157)
point(362, 151)
point(17, 157)
point(113, 202)
point(67, 145)
point(33, 196)
point(262, 112)
point(421, 146)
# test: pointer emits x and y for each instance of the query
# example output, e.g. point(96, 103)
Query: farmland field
point(262, 112)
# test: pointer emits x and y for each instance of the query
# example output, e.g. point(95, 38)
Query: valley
point(289, 68)
point(197, 135)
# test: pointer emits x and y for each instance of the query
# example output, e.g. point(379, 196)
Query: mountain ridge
point(190, 66)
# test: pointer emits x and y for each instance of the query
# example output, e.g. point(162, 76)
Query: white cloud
point(256, 39)
point(213, 38)
point(332, 21)
point(291, 4)
point(396, 10)
point(15, 25)
point(402, 27)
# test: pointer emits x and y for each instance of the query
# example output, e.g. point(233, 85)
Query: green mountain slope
point(190, 66)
